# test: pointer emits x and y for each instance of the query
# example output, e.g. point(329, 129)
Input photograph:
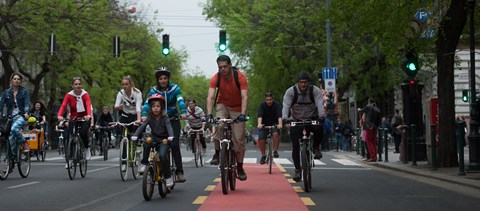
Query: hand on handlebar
point(242, 118)
point(209, 118)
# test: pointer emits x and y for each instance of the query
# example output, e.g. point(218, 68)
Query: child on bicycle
point(161, 129)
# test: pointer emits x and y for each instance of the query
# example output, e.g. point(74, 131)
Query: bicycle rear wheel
point(224, 164)
point(4, 160)
point(123, 159)
point(232, 170)
point(306, 174)
point(82, 161)
point(23, 159)
point(148, 183)
point(70, 154)
point(44, 151)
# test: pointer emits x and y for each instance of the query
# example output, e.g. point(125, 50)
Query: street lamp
point(474, 138)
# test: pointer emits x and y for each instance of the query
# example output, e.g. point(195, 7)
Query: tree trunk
point(449, 33)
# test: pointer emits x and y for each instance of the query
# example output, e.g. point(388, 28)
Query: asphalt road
point(338, 184)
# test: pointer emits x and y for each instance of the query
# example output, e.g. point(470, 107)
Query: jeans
point(175, 145)
point(346, 143)
point(16, 138)
point(339, 140)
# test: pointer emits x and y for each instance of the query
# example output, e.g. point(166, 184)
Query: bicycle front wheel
point(70, 154)
point(197, 152)
point(123, 159)
point(148, 183)
point(224, 164)
point(306, 174)
point(270, 156)
point(4, 160)
point(134, 159)
point(82, 162)
point(232, 170)
point(23, 161)
point(105, 146)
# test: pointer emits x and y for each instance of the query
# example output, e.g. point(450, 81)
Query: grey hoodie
point(306, 110)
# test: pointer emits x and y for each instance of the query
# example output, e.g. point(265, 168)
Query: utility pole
point(474, 137)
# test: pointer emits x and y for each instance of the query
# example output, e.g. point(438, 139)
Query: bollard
point(461, 160)
point(358, 140)
point(434, 147)
point(405, 132)
point(386, 144)
point(412, 135)
point(379, 143)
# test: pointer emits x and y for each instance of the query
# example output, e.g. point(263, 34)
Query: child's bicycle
point(8, 160)
point(154, 172)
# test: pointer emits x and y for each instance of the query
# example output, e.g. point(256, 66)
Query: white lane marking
point(55, 158)
point(282, 161)
point(187, 159)
point(318, 162)
point(346, 162)
point(100, 169)
point(249, 160)
point(23, 185)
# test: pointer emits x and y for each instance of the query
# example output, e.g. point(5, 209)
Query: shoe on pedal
point(71, 165)
point(124, 167)
point(181, 178)
point(262, 160)
point(141, 168)
point(169, 182)
point(298, 176)
point(214, 160)
point(204, 151)
point(89, 154)
point(275, 154)
point(318, 154)
point(242, 176)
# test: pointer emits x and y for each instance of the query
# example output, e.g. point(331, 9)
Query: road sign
point(428, 32)
point(422, 15)
point(330, 85)
point(329, 73)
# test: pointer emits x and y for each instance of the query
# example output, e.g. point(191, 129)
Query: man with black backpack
point(232, 93)
point(303, 101)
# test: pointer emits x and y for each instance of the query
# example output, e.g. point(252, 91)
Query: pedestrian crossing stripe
point(346, 162)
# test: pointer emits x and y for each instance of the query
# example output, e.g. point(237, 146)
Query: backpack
point(235, 76)
point(310, 91)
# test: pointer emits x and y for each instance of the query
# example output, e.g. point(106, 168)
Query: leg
point(16, 137)
point(177, 156)
point(163, 154)
point(295, 135)
point(371, 145)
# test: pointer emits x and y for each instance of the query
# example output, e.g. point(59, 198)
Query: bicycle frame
point(306, 152)
point(76, 149)
point(127, 146)
point(198, 155)
point(228, 164)
point(269, 143)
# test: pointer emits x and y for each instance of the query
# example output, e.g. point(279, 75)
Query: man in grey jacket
point(303, 101)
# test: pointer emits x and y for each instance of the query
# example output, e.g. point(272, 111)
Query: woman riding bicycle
point(78, 101)
point(196, 120)
point(161, 129)
point(17, 100)
point(103, 120)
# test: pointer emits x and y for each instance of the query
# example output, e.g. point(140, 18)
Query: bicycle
point(105, 140)
point(61, 145)
point(269, 143)
point(76, 152)
point(306, 152)
point(197, 147)
point(7, 160)
point(228, 158)
point(129, 155)
point(153, 172)
point(94, 147)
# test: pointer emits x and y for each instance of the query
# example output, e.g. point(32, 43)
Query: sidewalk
point(423, 168)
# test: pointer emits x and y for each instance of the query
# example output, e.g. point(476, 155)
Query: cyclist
point(196, 120)
point(78, 101)
point(161, 128)
point(103, 119)
point(173, 95)
point(269, 114)
point(303, 101)
point(17, 100)
point(232, 103)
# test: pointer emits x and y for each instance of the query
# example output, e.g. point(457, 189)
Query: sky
point(188, 30)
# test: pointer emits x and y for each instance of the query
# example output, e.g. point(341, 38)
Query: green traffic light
point(465, 95)
point(222, 47)
point(165, 51)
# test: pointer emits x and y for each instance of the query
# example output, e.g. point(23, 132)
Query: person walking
point(396, 125)
point(373, 119)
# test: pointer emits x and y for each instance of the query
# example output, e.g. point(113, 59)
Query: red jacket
point(70, 99)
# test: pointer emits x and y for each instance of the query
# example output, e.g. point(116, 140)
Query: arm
point(146, 106)
point(88, 105)
point(62, 108)
point(244, 94)
point(287, 102)
point(181, 103)
point(317, 93)
point(141, 128)
point(118, 101)
point(260, 116)
point(211, 93)
point(138, 105)
point(169, 127)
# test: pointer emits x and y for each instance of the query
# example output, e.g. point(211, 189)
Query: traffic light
point(465, 95)
point(166, 44)
point(410, 64)
point(222, 45)
point(52, 47)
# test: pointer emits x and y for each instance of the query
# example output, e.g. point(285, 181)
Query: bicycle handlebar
point(304, 123)
point(225, 120)
point(113, 124)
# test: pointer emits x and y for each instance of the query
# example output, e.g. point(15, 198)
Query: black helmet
point(162, 71)
point(304, 76)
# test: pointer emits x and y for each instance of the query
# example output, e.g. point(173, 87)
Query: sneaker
point(204, 151)
point(180, 178)
point(262, 160)
point(214, 160)
point(141, 168)
point(169, 182)
point(89, 154)
point(275, 154)
point(124, 167)
point(26, 147)
point(318, 154)
point(241, 175)
point(71, 164)
point(298, 176)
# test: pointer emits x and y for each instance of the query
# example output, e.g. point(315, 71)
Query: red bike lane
point(261, 191)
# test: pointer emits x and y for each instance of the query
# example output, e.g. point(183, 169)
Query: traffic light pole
point(474, 137)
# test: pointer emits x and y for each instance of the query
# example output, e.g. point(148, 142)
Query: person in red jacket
point(79, 104)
